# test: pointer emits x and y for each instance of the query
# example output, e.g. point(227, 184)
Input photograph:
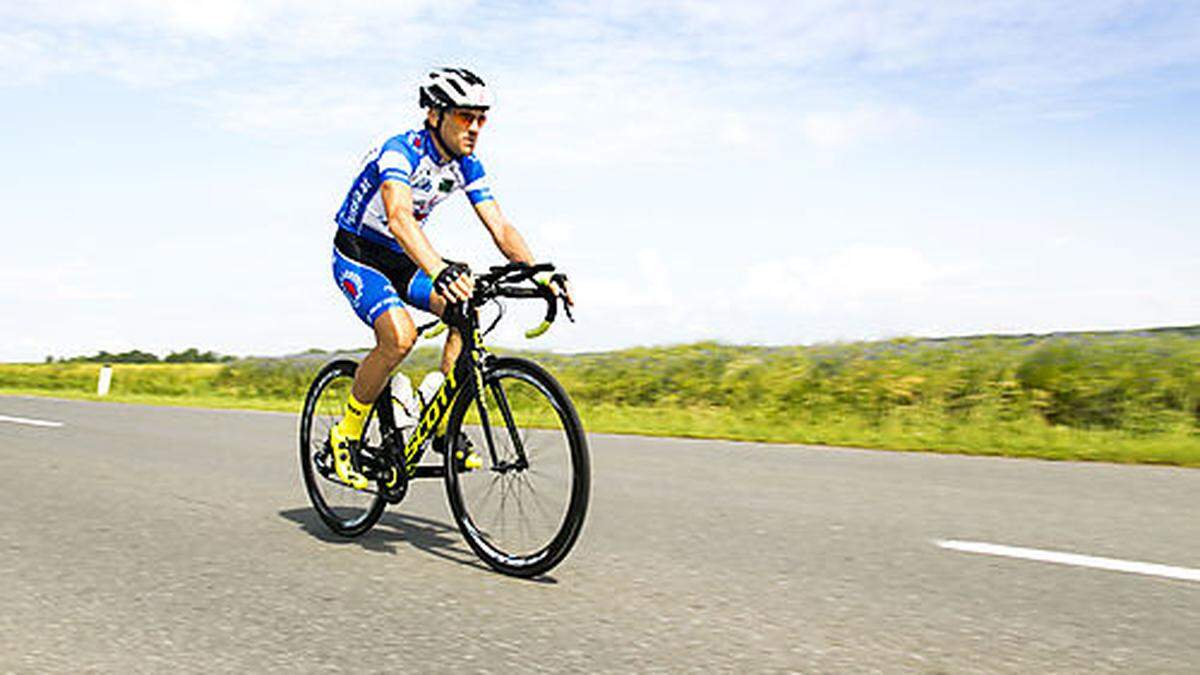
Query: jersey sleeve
point(396, 160)
point(475, 180)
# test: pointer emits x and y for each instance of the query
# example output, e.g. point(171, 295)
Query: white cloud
point(555, 233)
point(28, 57)
point(303, 108)
point(165, 43)
point(647, 285)
point(23, 58)
point(854, 275)
point(639, 57)
point(222, 21)
point(839, 129)
point(63, 283)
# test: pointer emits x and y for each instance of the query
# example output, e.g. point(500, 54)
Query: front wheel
point(522, 511)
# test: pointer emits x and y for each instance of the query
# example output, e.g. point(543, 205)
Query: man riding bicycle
point(381, 257)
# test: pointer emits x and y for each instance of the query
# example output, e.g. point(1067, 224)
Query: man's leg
point(454, 342)
point(465, 456)
point(394, 338)
point(451, 350)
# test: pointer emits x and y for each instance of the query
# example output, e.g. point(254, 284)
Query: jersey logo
point(446, 185)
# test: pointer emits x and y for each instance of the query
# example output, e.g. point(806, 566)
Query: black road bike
point(523, 509)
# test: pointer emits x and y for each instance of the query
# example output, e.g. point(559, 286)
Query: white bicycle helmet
point(455, 88)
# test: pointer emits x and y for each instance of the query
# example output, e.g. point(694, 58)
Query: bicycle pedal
point(439, 443)
point(323, 461)
point(467, 460)
point(393, 485)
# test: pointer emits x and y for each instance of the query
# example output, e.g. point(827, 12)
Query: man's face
point(460, 129)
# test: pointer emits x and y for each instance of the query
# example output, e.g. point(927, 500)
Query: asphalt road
point(139, 539)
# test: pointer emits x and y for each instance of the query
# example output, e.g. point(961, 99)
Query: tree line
point(190, 355)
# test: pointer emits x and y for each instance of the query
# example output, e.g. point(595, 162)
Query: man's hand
point(454, 283)
point(558, 284)
point(563, 289)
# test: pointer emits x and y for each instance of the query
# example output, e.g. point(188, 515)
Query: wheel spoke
point(537, 499)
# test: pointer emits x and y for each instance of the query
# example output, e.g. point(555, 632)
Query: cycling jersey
point(369, 265)
point(413, 159)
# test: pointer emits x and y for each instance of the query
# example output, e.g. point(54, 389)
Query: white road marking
point(32, 423)
point(1114, 564)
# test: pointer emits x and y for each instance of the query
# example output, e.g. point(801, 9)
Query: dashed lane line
point(29, 422)
point(1075, 559)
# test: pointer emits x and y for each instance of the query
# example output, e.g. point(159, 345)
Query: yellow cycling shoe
point(467, 460)
point(465, 457)
point(342, 463)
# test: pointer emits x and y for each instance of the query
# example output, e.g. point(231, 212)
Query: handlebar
point(500, 282)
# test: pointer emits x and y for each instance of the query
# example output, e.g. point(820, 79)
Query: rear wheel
point(343, 509)
point(522, 511)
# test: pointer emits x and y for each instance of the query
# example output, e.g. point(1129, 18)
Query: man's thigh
point(368, 290)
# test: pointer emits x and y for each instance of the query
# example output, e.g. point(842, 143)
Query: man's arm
point(508, 239)
point(397, 200)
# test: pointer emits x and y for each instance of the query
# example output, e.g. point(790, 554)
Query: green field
point(1128, 397)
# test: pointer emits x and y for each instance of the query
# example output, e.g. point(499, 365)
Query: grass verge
point(1017, 438)
point(1123, 397)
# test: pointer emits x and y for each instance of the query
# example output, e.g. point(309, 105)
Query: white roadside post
point(105, 380)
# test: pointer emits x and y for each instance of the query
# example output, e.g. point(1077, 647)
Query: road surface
point(143, 539)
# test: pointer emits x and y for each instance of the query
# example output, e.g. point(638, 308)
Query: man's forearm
point(513, 246)
point(416, 244)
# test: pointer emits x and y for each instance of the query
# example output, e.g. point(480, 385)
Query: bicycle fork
point(521, 462)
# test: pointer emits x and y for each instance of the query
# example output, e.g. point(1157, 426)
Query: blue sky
point(748, 172)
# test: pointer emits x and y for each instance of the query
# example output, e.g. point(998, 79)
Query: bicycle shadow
point(430, 536)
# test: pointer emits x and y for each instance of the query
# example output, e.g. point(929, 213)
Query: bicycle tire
point(316, 417)
point(482, 538)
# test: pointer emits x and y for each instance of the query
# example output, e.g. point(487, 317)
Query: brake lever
point(561, 280)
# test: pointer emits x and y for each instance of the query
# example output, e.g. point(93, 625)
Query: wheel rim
point(341, 502)
point(517, 515)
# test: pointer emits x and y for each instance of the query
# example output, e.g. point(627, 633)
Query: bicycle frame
point(468, 365)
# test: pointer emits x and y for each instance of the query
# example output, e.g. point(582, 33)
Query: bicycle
point(510, 409)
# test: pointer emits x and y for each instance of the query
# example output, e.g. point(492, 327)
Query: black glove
point(447, 277)
point(557, 278)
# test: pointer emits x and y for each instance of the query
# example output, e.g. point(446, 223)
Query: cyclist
point(381, 257)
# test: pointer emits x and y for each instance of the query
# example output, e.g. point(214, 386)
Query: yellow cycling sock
point(354, 417)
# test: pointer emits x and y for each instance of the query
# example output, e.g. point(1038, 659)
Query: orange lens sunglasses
point(468, 117)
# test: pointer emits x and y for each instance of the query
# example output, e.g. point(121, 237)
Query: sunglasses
point(470, 117)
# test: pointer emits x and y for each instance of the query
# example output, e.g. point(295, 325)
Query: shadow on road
point(431, 536)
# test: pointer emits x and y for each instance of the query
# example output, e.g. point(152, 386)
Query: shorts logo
point(351, 284)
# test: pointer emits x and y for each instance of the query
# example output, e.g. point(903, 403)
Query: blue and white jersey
point(413, 159)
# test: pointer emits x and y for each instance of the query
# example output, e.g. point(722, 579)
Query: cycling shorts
point(369, 274)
